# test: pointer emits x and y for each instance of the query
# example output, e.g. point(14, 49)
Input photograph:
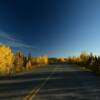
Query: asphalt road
point(55, 82)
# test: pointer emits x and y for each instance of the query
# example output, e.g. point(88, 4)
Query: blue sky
point(53, 27)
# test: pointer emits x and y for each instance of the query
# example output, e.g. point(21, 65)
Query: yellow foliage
point(40, 60)
point(61, 59)
point(29, 65)
point(6, 59)
point(16, 63)
point(84, 56)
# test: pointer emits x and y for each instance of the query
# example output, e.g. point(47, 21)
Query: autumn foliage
point(11, 63)
point(6, 59)
point(17, 62)
point(85, 60)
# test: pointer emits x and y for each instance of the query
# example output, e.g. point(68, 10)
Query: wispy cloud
point(7, 36)
point(19, 45)
point(8, 39)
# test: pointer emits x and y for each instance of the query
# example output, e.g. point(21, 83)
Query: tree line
point(86, 60)
point(17, 62)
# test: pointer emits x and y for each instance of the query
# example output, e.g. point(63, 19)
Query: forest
point(85, 61)
point(11, 63)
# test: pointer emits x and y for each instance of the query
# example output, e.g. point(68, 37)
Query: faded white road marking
point(34, 92)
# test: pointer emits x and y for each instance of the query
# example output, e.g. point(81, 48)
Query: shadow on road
point(63, 85)
point(74, 85)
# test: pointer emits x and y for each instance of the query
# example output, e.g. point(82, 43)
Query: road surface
point(55, 82)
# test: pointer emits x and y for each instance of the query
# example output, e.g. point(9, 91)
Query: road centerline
point(34, 92)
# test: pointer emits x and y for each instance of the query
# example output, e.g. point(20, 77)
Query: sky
point(52, 27)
